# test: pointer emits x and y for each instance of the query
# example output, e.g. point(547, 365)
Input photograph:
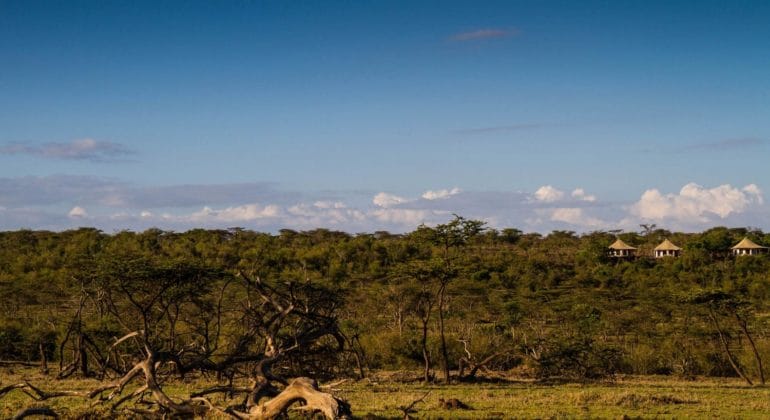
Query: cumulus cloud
point(384, 199)
point(244, 213)
point(440, 194)
point(58, 202)
point(484, 33)
point(82, 149)
point(696, 203)
point(548, 194)
point(580, 194)
point(753, 191)
point(77, 212)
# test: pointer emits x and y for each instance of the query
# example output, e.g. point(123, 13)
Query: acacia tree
point(718, 304)
point(449, 239)
point(418, 287)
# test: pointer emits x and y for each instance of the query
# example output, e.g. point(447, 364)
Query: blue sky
point(381, 115)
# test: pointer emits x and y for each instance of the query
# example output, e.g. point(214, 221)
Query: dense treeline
point(456, 298)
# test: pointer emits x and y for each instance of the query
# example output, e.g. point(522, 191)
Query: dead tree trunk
point(444, 353)
point(424, 344)
point(82, 356)
point(305, 390)
point(472, 365)
point(43, 358)
point(358, 353)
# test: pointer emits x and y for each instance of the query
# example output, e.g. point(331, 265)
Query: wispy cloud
point(82, 149)
point(502, 128)
point(484, 33)
point(109, 192)
point(725, 145)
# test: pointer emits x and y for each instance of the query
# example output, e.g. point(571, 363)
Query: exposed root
point(301, 389)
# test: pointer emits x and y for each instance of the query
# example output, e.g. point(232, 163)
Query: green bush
point(580, 358)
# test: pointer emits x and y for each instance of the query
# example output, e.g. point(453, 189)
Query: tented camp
point(747, 247)
point(620, 249)
point(667, 249)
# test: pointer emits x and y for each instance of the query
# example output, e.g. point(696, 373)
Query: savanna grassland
point(384, 396)
point(512, 324)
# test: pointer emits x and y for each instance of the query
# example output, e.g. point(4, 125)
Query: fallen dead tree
point(38, 394)
point(303, 390)
point(473, 366)
point(184, 320)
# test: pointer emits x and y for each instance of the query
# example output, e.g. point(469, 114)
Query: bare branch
point(409, 409)
point(35, 411)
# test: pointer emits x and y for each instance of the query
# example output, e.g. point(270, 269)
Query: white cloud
point(329, 204)
point(77, 212)
point(37, 202)
point(302, 210)
point(403, 217)
point(753, 190)
point(440, 194)
point(548, 194)
point(580, 194)
point(695, 203)
point(384, 199)
point(244, 213)
point(322, 214)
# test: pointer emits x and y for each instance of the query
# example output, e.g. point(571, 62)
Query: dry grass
point(627, 397)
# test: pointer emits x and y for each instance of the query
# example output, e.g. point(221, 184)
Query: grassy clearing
point(632, 397)
point(645, 397)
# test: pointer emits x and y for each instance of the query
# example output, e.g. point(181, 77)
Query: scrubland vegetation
point(157, 319)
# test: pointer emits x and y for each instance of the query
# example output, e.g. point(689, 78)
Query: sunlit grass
point(632, 397)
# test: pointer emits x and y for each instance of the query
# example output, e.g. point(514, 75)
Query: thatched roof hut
point(747, 247)
point(620, 249)
point(667, 249)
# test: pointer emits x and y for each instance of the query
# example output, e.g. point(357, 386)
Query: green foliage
point(555, 301)
point(579, 358)
point(18, 342)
